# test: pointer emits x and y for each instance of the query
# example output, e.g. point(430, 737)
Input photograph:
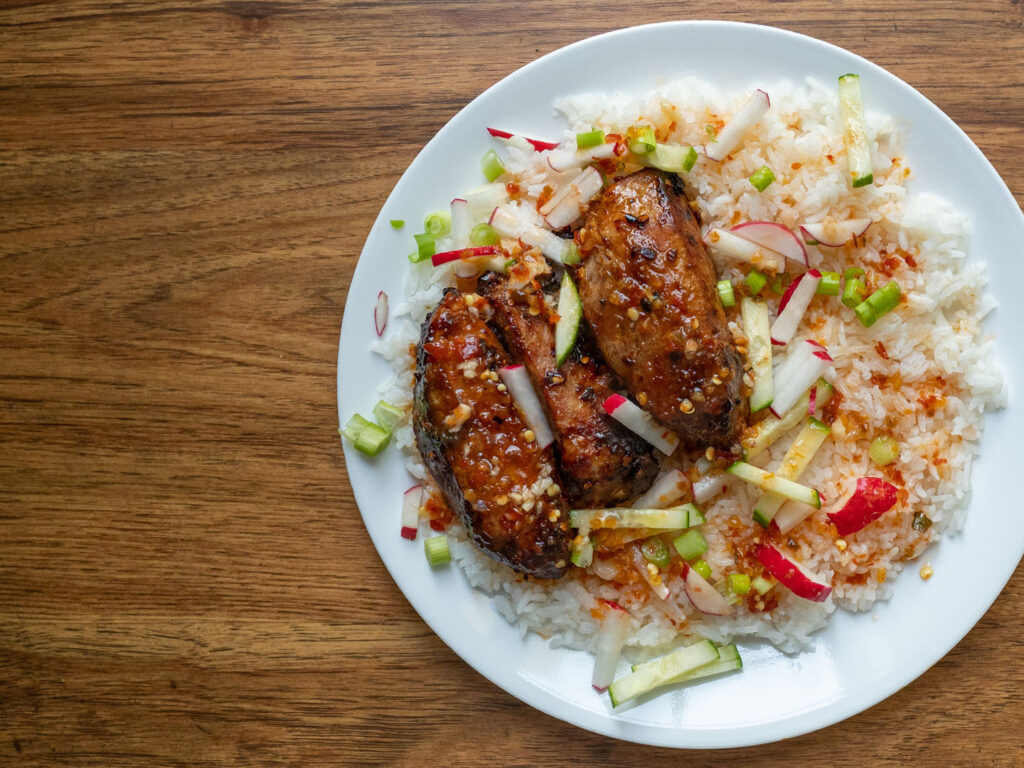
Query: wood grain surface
point(184, 189)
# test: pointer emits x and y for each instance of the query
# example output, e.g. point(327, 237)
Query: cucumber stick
point(671, 518)
point(770, 481)
point(728, 660)
point(662, 671)
point(570, 310)
point(756, 326)
point(765, 432)
point(855, 131)
point(794, 464)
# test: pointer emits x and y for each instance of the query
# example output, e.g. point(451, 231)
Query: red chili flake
point(830, 158)
point(881, 350)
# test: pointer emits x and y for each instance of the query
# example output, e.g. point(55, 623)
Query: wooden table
point(184, 189)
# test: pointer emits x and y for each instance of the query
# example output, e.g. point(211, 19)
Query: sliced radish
point(793, 306)
point(775, 237)
point(871, 498)
point(834, 233)
point(792, 575)
point(539, 145)
point(551, 245)
point(709, 485)
point(461, 223)
point(739, 248)
point(517, 380)
point(634, 418)
point(483, 200)
point(568, 159)
point(791, 514)
point(654, 580)
point(753, 109)
point(462, 253)
point(566, 206)
point(612, 637)
point(806, 363)
point(412, 500)
point(705, 597)
point(667, 489)
point(380, 313)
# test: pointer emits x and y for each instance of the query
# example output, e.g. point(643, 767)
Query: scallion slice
point(438, 224)
point(372, 440)
point(879, 303)
point(755, 282)
point(780, 283)
point(884, 451)
point(762, 178)
point(436, 550)
point(702, 567)
point(640, 139)
point(674, 158)
point(425, 248)
point(354, 427)
point(853, 292)
point(691, 544)
point(655, 551)
point(571, 255)
point(851, 272)
point(491, 165)
point(726, 293)
point(397, 223)
point(829, 285)
point(739, 583)
point(483, 234)
point(589, 139)
point(387, 415)
point(761, 585)
point(855, 131)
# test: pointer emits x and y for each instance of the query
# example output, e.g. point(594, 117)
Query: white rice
point(934, 342)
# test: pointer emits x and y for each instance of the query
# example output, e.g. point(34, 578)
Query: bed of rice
point(931, 393)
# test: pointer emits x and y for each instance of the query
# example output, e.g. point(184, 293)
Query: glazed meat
point(602, 463)
point(648, 290)
point(474, 442)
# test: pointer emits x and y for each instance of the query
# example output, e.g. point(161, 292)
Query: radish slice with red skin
point(834, 234)
point(566, 206)
point(462, 253)
point(792, 575)
point(412, 500)
point(380, 313)
point(562, 160)
point(796, 303)
point(539, 145)
point(517, 380)
point(461, 223)
point(667, 489)
point(705, 598)
point(753, 109)
point(806, 363)
point(812, 401)
point(870, 499)
point(612, 637)
point(635, 419)
point(551, 245)
point(791, 514)
point(775, 237)
point(739, 248)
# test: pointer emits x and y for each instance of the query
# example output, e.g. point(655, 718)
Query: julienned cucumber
point(728, 660)
point(759, 351)
point(767, 431)
point(570, 310)
point(770, 481)
point(668, 519)
point(662, 671)
point(855, 131)
point(794, 464)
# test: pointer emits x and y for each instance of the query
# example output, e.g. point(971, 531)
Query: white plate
point(859, 659)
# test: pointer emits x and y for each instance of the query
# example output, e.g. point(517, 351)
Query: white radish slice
point(380, 313)
point(566, 206)
point(753, 109)
point(412, 500)
point(551, 245)
point(667, 489)
point(790, 314)
point(775, 237)
point(567, 159)
point(792, 575)
point(834, 233)
point(517, 380)
point(461, 223)
point(739, 248)
point(612, 637)
point(709, 485)
point(806, 363)
point(654, 580)
point(791, 514)
point(483, 200)
point(635, 419)
point(705, 598)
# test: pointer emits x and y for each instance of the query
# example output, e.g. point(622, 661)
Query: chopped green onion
point(387, 415)
point(762, 585)
point(640, 139)
point(884, 451)
point(425, 248)
point(921, 522)
point(762, 178)
point(572, 254)
point(589, 139)
point(491, 165)
point(397, 223)
point(702, 568)
point(725, 293)
point(879, 303)
point(674, 158)
point(655, 551)
point(829, 284)
point(691, 544)
point(866, 314)
point(755, 282)
point(436, 550)
point(711, 131)
point(739, 583)
point(373, 440)
point(583, 555)
point(851, 272)
point(354, 427)
point(780, 283)
point(483, 234)
point(438, 224)
point(853, 292)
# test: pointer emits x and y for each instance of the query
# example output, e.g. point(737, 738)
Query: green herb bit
point(438, 224)
point(691, 544)
point(589, 139)
point(491, 165)
point(655, 551)
point(755, 282)
point(829, 284)
point(921, 522)
point(436, 550)
point(397, 223)
point(884, 451)
point(483, 234)
point(739, 583)
point(726, 293)
point(425, 247)
point(762, 178)
point(702, 568)
point(780, 283)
